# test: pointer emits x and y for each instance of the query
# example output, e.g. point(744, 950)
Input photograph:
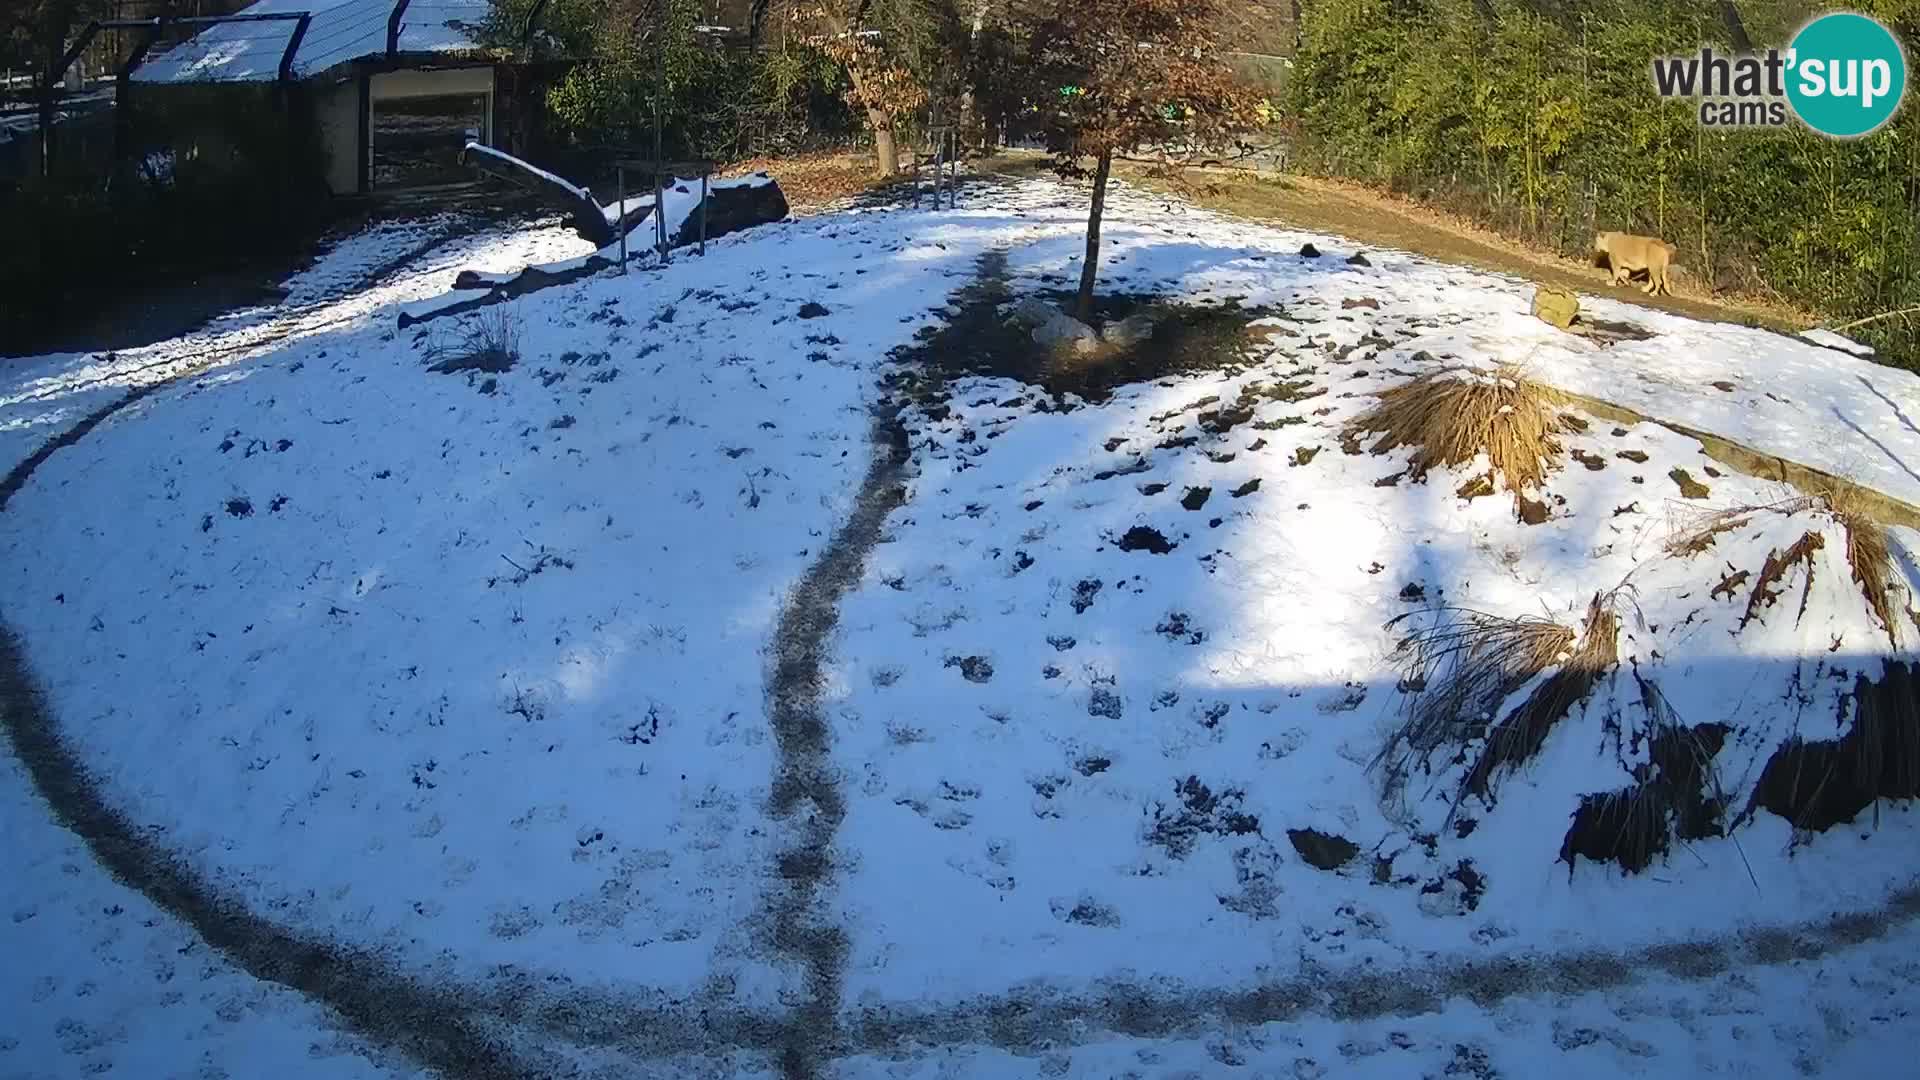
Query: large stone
point(1129, 331)
point(732, 205)
point(1032, 311)
point(1556, 306)
point(1063, 331)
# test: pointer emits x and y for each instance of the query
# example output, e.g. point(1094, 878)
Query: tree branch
point(1895, 313)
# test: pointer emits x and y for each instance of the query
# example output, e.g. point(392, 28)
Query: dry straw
point(1452, 416)
point(1869, 549)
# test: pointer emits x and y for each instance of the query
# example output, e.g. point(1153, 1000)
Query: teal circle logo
point(1846, 75)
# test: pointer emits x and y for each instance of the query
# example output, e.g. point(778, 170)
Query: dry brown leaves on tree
point(1110, 76)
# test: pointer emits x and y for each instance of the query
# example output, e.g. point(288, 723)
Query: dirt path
point(805, 791)
point(426, 1024)
point(1369, 217)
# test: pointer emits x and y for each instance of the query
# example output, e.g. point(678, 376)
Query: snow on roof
point(340, 31)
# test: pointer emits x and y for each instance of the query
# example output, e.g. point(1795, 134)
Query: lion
point(1627, 253)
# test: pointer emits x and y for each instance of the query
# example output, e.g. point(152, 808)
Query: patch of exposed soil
point(1145, 538)
point(1689, 487)
point(1198, 811)
point(1819, 784)
point(981, 341)
point(1083, 593)
point(1323, 851)
point(976, 669)
point(1677, 796)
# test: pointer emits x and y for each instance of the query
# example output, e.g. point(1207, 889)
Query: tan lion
point(1627, 253)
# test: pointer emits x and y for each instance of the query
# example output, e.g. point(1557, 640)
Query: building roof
point(339, 32)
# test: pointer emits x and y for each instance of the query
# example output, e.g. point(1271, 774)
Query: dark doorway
point(417, 140)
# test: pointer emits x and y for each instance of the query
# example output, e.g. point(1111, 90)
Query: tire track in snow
point(1039, 1018)
point(428, 1024)
point(805, 791)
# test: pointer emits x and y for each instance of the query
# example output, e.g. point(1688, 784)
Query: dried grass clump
point(1766, 587)
point(1516, 739)
point(1457, 672)
point(1870, 556)
point(488, 341)
point(1449, 417)
point(1869, 549)
point(1693, 533)
point(1628, 827)
point(1676, 795)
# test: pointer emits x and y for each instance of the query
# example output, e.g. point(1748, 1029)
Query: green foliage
point(563, 28)
point(715, 104)
point(714, 101)
point(1543, 120)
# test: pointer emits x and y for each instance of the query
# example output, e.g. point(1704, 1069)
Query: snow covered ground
point(470, 670)
point(43, 396)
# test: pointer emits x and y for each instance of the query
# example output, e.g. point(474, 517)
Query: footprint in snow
point(1084, 910)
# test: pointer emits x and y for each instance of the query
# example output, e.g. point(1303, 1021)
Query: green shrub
point(1543, 122)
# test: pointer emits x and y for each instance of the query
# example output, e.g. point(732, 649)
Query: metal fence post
point(705, 172)
point(620, 215)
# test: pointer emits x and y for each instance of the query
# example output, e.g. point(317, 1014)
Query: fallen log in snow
point(577, 202)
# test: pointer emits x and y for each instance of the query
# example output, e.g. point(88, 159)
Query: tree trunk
point(886, 155)
point(49, 91)
point(1083, 310)
point(1736, 30)
point(970, 126)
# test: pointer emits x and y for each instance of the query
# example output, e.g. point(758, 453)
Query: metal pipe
point(159, 23)
point(80, 46)
point(659, 94)
point(526, 29)
point(393, 27)
point(293, 46)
